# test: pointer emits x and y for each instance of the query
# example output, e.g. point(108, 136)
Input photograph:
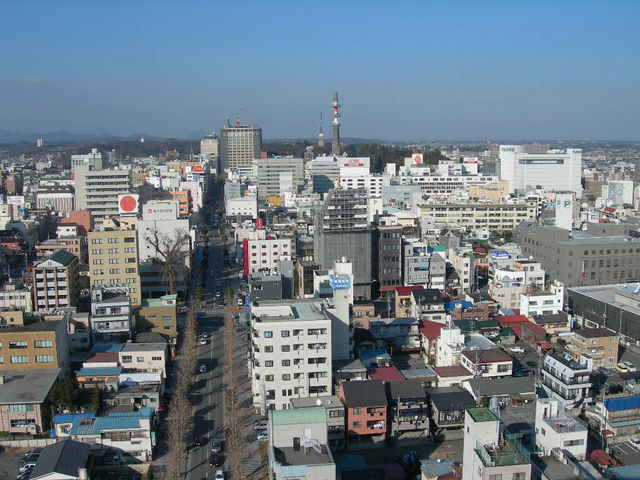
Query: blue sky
point(405, 70)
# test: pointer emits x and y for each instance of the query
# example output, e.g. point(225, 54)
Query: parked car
point(263, 435)
point(516, 349)
point(31, 453)
point(216, 460)
point(260, 425)
point(219, 475)
point(203, 341)
point(240, 301)
point(622, 367)
point(635, 441)
point(630, 366)
point(216, 446)
point(203, 368)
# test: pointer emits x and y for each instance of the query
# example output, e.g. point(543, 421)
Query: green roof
point(482, 415)
point(63, 257)
point(160, 301)
point(470, 325)
point(294, 416)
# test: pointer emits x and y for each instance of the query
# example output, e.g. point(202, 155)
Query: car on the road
point(521, 372)
point(216, 460)
point(622, 367)
point(31, 453)
point(262, 435)
point(219, 475)
point(204, 335)
point(216, 446)
point(30, 465)
point(183, 309)
point(203, 368)
point(240, 301)
point(635, 441)
point(630, 366)
point(260, 425)
point(517, 349)
point(203, 341)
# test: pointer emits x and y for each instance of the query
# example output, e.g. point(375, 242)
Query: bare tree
point(232, 410)
point(172, 253)
point(180, 410)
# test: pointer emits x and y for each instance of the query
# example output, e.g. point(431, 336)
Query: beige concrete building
point(474, 215)
point(158, 315)
point(113, 261)
point(98, 191)
point(34, 346)
point(599, 344)
point(55, 281)
point(495, 192)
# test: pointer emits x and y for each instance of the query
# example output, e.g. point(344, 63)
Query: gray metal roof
point(27, 386)
point(65, 457)
point(482, 386)
point(143, 347)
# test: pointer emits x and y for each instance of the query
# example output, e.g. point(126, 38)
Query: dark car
point(521, 372)
point(216, 460)
point(531, 363)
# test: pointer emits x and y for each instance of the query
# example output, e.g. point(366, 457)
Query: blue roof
point(628, 472)
point(622, 403)
point(143, 412)
point(98, 371)
point(371, 354)
point(462, 304)
point(89, 424)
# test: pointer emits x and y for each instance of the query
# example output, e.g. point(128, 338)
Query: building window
point(285, 348)
point(286, 376)
point(20, 408)
point(268, 378)
point(156, 359)
point(268, 363)
point(18, 344)
point(268, 348)
point(284, 333)
point(127, 359)
point(573, 443)
point(356, 411)
point(44, 358)
point(495, 476)
point(519, 476)
point(286, 363)
point(19, 359)
point(43, 344)
point(268, 334)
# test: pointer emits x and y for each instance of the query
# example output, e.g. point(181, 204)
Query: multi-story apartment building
point(500, 217)
point(111, 316)
point(387, 252)
point(490, 454)
point(13, 296)
point(244, 207)
point(185, 202)
point(565, 379)
point(24, 400)
point(556, 430)
point(372, 183)
point(428, 304)
point(408, 407)
point(423, 267)
point(463, 261)
point(55, 281)
point(276, 176)
point(299, 445)
point(98, 191)
point(113, 261)
point(291, 354)
point(144, 357)
point(342, 230)
point(34, 346)
point(240, 145)
point(265, 254)
point(535, 303)
point(598, 344)
point(555, 170)
point(581, 258)
point(366, 407)
point(76, 245)
point(90, 161)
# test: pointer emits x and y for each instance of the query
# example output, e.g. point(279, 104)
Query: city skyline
point(405, 72)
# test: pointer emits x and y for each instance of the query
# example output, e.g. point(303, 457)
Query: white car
point(517, 349)
point(183, 309)
point(203, 341)
point(219, 475)
point(630, 366)
point(622, 367)
point(635, 441)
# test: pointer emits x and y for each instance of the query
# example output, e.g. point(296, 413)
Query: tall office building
point(209, 145)
point(555, 170)
point(240, 145)
point(98, 191)
point(342, 230)
point(276, 176)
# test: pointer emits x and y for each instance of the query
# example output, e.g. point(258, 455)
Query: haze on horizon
point(404, 70)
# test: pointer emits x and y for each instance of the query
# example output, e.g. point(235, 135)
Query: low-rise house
point(135, 391)
point(428, 304)
point(452, 376)
point(23, 400)
point(505, 390)
point(158, 315)
point(487, 363)
point(65, 460)
point(425, 375)
point(448, 406)
point(404, 300)
point(400, 334)
point(385, 374)
point(144, 357)
point(553, 323)
point(335, 417)
point(430, 333)
point(298, 445)
point(128, 432)
point(408, 407)
point(366, 407)
point(354, 370)
point(96, 378)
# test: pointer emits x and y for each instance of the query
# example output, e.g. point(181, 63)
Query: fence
point(29, 442)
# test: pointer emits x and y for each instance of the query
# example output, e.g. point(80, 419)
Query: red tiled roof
point(404, 291)
point(534, 328)
point(507, 320)
point(385, 374)
point(103, 357)
point(430, 330)
point(453, 371)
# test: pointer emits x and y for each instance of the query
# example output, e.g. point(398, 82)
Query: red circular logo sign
point(128, 204)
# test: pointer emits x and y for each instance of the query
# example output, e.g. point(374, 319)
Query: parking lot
point(10, 462)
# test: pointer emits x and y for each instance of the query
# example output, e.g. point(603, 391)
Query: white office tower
point(555, 170)
point(567, 210)
point(89, 161)
point(209, 145)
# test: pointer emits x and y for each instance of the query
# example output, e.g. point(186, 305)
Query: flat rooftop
point(304, 456)
point(280, 312)
point(482, 415)
point(27, 386)
point(607, 294)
